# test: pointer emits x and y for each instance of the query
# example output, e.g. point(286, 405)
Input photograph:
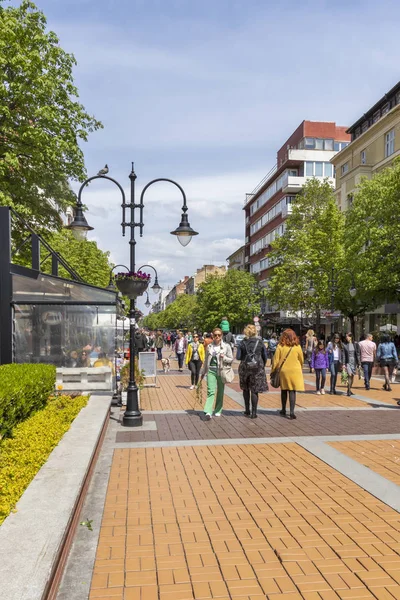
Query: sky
point(205, 93)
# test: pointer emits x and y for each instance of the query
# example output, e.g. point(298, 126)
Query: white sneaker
point(323, 392)
point(318, 393)
point(208, 417)
point(217, 414)
point(394, 379)
point(191, 387)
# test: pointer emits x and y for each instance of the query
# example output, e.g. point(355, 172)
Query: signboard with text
point(148, 364)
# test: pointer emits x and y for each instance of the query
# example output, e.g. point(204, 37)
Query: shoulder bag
point(275, 375)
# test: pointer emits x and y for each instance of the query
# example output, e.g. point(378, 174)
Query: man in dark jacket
point(140, 342)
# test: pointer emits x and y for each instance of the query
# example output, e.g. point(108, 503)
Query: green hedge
point(24, 389)
point(22, 455)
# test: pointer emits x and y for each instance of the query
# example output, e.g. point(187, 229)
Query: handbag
point(275, 375)
point(227, 374)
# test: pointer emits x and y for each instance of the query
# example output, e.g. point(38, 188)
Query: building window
point(345, 168)
point(293, 172)
point(309, 169)
point(309, 143)
point(363, 157)
point(385, 108)
point(319, 144)
point(364, 126)
point(389, 143)
point(318, 169)
point(328, 144)
point(328, 170)
point(340, 145)
point(376, 116)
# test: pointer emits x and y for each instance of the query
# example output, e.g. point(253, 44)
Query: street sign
point(256, 319)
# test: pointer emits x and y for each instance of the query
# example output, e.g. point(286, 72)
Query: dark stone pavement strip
point(233, 425)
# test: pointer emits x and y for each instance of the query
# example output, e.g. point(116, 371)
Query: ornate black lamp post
point(132, 416)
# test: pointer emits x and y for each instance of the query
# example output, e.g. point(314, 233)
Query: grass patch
point(32, 441)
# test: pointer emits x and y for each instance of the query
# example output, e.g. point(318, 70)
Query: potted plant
point(132, 284)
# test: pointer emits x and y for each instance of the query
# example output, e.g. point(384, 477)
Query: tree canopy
point(91, 263)
point(233, 295)
point(372, 234)
point(41, 120)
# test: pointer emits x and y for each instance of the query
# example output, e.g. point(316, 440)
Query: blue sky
point(205, 93)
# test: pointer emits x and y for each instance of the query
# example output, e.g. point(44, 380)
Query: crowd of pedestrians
point(209, 356)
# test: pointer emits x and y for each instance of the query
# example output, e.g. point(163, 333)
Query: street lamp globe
point(79, 225)
point(156, 287)
point(353, 291)
point(311, 290)
point(147, 303)
point(184, 232)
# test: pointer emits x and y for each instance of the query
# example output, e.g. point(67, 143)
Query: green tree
point(84, 256)
point(233, 295)
point(313, 251)
point(372, 235)
point(182, 313)
point(41, 121)
point(151, 321)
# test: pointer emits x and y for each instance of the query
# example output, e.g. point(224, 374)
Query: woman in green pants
point(218, 356)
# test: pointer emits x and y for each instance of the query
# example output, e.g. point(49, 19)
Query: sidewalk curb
point(32, 539)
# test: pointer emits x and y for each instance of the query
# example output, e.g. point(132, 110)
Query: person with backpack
point(252, 377)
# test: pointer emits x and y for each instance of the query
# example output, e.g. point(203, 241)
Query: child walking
point(320, 362)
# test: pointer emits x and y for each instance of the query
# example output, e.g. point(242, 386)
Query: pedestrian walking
point(272, 345)
point(387, 357)
point(311, 343)
point(194, 359)
point(351, 353)
point(252, 377)
point(367, 357)
point(207, 339)
point(84, 359)
point(218, 356)
point(140, 341)
point(289, 357)
point(180, 349)
point(159, 343)
point(335, 358)
point(320, 364)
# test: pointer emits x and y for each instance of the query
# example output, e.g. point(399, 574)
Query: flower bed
point(33, 440)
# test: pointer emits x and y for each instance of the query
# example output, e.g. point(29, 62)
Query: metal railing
point(261, 184)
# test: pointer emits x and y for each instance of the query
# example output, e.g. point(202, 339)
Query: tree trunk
point(318, 321)
point(352, 320)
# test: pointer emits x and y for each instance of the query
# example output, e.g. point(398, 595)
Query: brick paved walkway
point(222, 509)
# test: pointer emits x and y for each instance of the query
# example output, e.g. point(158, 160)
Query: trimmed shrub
point(24, 389)
point(33, 440)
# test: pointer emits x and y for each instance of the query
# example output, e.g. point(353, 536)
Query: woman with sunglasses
point(194, 359)
point(218, 355)
point(84, 359)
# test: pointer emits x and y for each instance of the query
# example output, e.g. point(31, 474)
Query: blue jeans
point(367, 368)
point(159, 353)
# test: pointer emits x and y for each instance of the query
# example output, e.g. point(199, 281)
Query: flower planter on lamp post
point(132, 416)
point(132, 285)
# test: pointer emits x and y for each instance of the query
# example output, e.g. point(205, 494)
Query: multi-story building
point(200, 276)
point(236, 260)
point(159, 305)
point(178, 289)
point(306, 154)
point(375, 142)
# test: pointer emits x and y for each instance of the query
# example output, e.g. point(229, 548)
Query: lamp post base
point(132, 416)
point(132, 419)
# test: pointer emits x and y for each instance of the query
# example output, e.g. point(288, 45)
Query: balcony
point(292, 184)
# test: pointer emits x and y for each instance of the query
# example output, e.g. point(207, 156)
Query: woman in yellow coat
point(291, 375)
point(194, 359)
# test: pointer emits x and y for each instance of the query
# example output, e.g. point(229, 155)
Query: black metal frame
point(8, 268)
